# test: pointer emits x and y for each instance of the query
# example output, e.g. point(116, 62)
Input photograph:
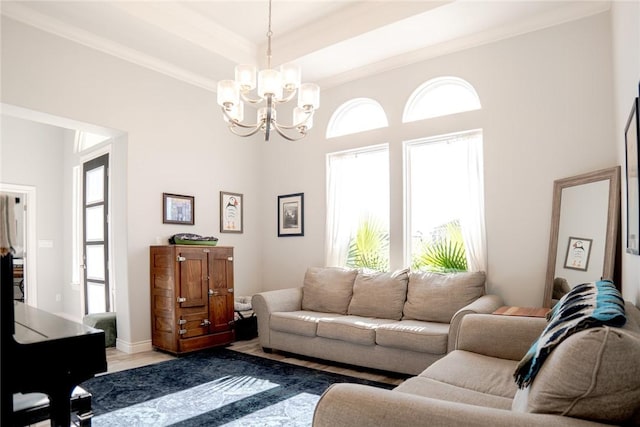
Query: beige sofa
point(591, 378)
point(400, 321)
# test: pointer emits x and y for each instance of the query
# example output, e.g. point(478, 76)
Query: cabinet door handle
point(230, 258)
point(181, 299)
point(212, 292)
point(205, 322)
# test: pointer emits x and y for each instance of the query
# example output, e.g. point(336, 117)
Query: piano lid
point(34, 325)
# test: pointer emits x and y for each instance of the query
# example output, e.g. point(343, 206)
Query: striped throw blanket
point(585, 306)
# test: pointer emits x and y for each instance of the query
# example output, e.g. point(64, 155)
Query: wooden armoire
point(191, 297)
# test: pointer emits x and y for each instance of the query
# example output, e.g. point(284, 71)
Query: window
point(356, 115)
point(86, 140)
point(358, 208)
point(444, 194)
point(439, 97)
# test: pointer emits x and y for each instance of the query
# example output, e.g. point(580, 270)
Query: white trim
point(135, 347)
point(32, 245)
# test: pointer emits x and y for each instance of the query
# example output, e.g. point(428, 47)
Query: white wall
point(547, 114)
point(625, 18)
point(176, 143)
point(32, 155)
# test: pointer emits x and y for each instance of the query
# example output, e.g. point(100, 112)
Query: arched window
point(357, 115)
point(440, 97)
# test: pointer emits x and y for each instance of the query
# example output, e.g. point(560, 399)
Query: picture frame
point(178, 209)
point(231, 212)
point(291, 215)
point(578, 253)
point(631, 136)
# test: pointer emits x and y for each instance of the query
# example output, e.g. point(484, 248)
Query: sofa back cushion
point(379, 295)
point(435, 297)
point(328, 289)
point(593, 374)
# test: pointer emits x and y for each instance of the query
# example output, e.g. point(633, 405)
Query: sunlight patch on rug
point(175, 407)
point(296, 411)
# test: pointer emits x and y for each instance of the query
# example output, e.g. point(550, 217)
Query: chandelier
point(274, 87)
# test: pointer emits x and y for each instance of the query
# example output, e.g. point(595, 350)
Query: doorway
point(95, 240)
point(24, 258)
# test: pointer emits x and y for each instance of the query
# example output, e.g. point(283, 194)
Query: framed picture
point(578, 251)
point(633, 185)
point(177, 209)
point(231, 212)
point(291, 215)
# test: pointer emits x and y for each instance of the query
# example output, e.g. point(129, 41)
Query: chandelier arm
point(234, 122)
point(287, 137)
point(296, 125)
point(252, 132)
point(250, 100)
point(288, 98)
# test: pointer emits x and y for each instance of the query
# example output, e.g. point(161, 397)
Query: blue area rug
point(215, 387)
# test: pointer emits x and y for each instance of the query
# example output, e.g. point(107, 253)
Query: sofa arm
point(506, 337)
point(269, 302)
point(484, 304)
point(353, 405)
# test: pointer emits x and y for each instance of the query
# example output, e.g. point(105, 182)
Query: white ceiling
point(333, 41)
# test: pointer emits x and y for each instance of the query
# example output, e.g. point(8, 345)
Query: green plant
point(369, 248)
point(446, 253)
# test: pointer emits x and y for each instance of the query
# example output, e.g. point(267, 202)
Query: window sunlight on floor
point(185, 404)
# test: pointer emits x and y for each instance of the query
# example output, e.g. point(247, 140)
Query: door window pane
point(95, 223)
point(95, 262)
point(95, 185)
point(95, 297)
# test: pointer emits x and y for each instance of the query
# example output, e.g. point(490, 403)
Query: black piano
point(44, 353)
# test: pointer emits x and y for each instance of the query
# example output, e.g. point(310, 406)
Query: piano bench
point(31, 408)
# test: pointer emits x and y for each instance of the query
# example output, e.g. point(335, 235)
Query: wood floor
point(118, 361)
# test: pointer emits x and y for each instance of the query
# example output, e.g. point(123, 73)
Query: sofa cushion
point(414, 335)
point(297, 322)
point(436, 297)
point(352, 329)
point(484, 374)
point(328, 289)
point(380, 295)
point(427, 387)
point(593, 374)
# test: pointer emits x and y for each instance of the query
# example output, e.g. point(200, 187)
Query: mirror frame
point(613, 221)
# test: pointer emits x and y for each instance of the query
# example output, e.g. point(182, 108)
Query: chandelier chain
point(269, 34)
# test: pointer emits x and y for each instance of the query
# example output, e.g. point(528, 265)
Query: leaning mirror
point(584, 231)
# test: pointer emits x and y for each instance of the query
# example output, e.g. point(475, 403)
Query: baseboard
point(136, 347)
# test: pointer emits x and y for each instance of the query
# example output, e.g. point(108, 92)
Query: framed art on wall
point(177, 209)
point(231, 212)
point(291, 215)
point(578, 251)
point(633, 185)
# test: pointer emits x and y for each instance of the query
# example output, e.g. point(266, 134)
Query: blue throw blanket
point(585, 306)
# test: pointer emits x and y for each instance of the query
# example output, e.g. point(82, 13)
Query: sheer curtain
point(472, 220)
point(357, 187)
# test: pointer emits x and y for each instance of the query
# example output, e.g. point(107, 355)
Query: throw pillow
point(379, 295)
point(328, 289)
point(436, 297)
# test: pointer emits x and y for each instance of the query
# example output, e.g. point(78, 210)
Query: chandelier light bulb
point(270, 83)
point(309, 96)
point(291, 76)
point(228, 94)
point(246, 77)
point(302, 118)
point(235, 113)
